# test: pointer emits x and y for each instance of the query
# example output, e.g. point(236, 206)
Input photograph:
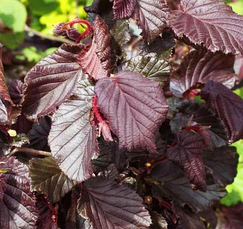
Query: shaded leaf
point(209, 217)
point(123, 8)
point(199, 66)
point(174, 184)
point(3, 112)
point(95, 58)
point(223, 162)
point(47, 178)
point(152, 66)
point(187, 153)
point(187, 218)
point(211, 23)
point(72, 139)
point(192, 113)
point(109, 205)
point(134, 107)
point(51, 81)
point(228, 107)
point(151, 17)
point(17, 208)
point(16, 91)
point(159, 221)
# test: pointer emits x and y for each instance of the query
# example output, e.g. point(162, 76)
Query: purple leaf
point(72, 139)
point(123, 8)
point(17, 208)
point(51, 81)
point(16, 91)
point(134, 106)
point(187, 153)
point(199, 66)
point(151, 16)
point(223, 163)
point(47, 178)
point(109, 205)
point(211, 23)
point(95, 58)
point(227, 106)
point(3, 112)
point(175, 185)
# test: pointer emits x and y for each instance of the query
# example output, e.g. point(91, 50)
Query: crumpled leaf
point(123, 8)
point(187, 153)
point(17, 206)
point(211, 23)
point(47, 178)
point(228, 107)
point(72, 139)
point(199, 66)
point(151, 17)
point(109, 205)
point(134, 106)
point(223, 163)
point(51, 81)
point(152, 66)
point(192, 113)
point(173, 183)
point(95, 58)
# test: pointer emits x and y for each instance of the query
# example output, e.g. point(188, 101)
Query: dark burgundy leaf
point(228, 107)
point(61, 29)
point(17, 208)
point(152, 66)
point(123, 8)
point(39, 133)
point(209, 217)
point(223, 163)
point(192, 113)
point(134, 107)
point(199, 66)
point(72, 139)
point(211, 23)
point(174, 184)
point(95, 59)
point(51, 81)
point(238, 66)
point(3, 112)
point(47, 214)
point(159, 221)
point(187, 153)
point(3, 87)
point(47, 178)
point(109, 205)
point(16, 91)
point(23, 125)
point(230, 218)
point(187, 218)
point(151, 16)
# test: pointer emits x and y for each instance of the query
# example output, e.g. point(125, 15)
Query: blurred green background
point(26, 31)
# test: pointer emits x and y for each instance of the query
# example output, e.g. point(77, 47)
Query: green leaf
point(40, 7)
point(13, 14)
point(12, 41)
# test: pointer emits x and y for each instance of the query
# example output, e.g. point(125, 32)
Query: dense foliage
point(127, 130)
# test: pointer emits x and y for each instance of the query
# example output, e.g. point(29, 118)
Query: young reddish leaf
point(123, 8)
point(3, 87)
point(175, 185)
point(16, 91)
point(223, 163)
point(47, 178)
point(72, 139)
point(152, 66)
point(199, 66)
point(109, 205)
point(227, 105)
point(199, 114)
point(151, 17)
point(17, 208)
point(188, 154)
point(51, 81)
point(211, 23)
point(95, 59)
point(134, 106)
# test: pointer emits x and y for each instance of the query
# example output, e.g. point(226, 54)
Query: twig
point(48, 37)
point(30, 151)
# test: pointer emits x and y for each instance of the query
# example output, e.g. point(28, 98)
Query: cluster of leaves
point(121, 141)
